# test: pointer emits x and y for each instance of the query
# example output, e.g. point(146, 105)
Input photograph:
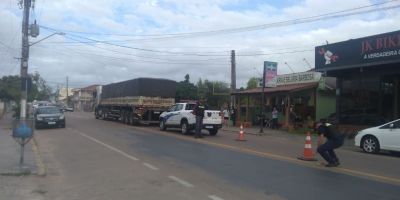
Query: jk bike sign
point(367, 51)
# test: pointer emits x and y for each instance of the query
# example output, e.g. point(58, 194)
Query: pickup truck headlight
point(39, 118)
point(62, 117)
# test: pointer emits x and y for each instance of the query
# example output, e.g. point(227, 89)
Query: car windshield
point(48, 110)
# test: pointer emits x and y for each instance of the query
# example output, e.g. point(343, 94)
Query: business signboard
point(270, 72)
point(298, 78)
point(367, 51)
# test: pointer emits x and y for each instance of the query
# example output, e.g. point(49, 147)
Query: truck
point(136, 101)
point(181, 116)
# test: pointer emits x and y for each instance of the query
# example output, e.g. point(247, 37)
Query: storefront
point(310, 95)
point(368, 78)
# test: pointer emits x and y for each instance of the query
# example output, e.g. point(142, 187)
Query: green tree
point(10, 88)
point(252, 83)
point(216, 93)
point(185, 90)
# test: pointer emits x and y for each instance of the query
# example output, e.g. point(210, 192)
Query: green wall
point(326, 104)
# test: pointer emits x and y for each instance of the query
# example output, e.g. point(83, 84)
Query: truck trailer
point(136, 101)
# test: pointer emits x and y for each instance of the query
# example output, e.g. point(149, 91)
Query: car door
point(389, 136)
point(175, 115)
point(167, 118)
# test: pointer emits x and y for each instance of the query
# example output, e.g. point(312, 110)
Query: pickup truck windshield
point(48, 110)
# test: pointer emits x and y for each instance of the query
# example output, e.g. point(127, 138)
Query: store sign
point(304, 77)
point(377, 49)
point(270, 72)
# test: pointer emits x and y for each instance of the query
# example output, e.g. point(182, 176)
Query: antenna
point(305, 60)
point(289, 67)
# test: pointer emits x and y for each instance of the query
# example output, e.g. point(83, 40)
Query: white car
point(383, 137)
point(181, 116)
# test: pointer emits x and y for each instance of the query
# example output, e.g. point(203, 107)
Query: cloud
point(89, 63)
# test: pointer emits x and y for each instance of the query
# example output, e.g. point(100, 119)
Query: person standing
point(274, 118)
point(233, 116)
point(334, 140)
point(226, 116)
point(199, 112)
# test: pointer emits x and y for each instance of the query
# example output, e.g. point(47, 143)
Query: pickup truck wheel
point(213, 132)
point(184, 127)
point(162, 125)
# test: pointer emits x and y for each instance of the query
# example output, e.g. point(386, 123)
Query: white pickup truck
point(181, 116)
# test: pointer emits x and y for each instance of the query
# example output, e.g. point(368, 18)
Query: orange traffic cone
point(308, 152)
point(241, 134)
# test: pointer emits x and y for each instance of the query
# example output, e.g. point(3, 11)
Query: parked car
point(181, 116)
point(49, 116)
point(67, 109)
point(383, 137)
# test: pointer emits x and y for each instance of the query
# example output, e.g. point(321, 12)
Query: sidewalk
point(10, 150)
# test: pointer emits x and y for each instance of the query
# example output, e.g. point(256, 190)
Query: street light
point(58, 33)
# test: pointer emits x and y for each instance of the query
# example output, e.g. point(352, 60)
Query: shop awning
point(280, 88)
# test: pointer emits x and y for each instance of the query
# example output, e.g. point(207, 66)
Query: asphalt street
point(96, 159)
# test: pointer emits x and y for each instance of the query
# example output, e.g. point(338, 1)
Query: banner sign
point(304, 77)
point(367, 51)
point(270, 72)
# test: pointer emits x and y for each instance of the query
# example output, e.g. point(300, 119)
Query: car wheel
point(213, 132)
point(370, 144)
point(184, 128)
point(162, 125)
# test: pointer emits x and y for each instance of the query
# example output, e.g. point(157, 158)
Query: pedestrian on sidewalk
point(199, 113)
point(233, 115)
point(334, 140)
point(274, 118)
point(226, 116)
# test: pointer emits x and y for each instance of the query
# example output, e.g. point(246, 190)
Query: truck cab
point(180, 115)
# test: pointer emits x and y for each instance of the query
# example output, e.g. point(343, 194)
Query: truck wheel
point(184, 127)
point(162, 125)
point(213, 132)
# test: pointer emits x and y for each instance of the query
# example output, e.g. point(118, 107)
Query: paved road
point(95, 159)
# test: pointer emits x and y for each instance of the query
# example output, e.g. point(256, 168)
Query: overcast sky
point(107, 41)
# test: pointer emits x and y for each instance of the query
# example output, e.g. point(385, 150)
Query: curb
point(42, 171)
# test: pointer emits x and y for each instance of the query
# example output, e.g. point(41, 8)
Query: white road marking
point(182, 182)
point(150, 166)
point(107, 146)
point(214, 197)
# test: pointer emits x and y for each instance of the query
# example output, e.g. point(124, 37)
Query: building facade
point(309, 95)
point(368, 78)
point(83, 98)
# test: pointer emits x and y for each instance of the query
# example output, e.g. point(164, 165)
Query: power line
point(331, 15)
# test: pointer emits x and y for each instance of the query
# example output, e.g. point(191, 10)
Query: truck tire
point(184, 127)
point(213, 132)
point(163, 127)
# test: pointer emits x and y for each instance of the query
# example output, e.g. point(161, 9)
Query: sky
point(107, 41)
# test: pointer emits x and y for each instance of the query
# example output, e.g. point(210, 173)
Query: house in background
point(62, 95)
point(83, 99)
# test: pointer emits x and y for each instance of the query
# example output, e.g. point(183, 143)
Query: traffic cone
point(308, 152)
point(241, 134)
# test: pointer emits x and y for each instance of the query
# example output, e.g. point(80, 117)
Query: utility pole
point(233, 78)
point(67, 93)
point(262, 100)
point(25, 57)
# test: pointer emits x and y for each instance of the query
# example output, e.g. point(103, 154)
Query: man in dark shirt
point(199, 112)
point(334, 140)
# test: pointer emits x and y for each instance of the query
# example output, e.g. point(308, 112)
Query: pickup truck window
point(172, 108)
point(179, 107)
point(190, 106)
